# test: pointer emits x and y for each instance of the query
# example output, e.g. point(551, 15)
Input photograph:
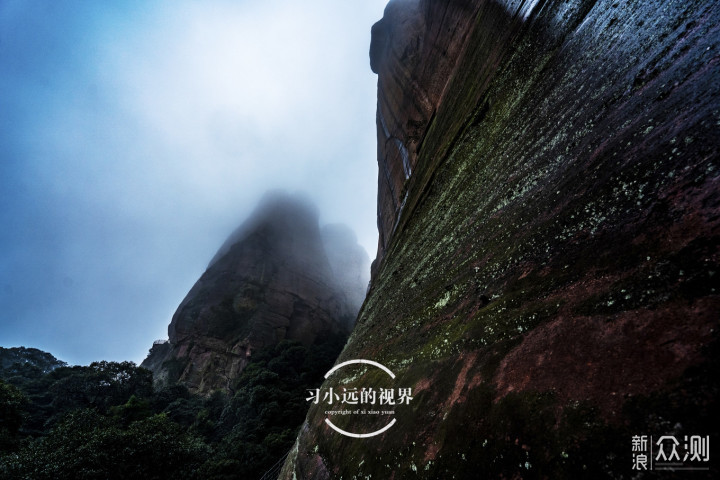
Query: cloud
point(138, 135)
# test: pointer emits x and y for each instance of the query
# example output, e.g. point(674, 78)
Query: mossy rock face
point(549, 287)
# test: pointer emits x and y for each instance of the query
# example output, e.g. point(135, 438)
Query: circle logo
point(360, 435)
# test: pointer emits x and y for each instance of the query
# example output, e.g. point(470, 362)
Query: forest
point(106, 420)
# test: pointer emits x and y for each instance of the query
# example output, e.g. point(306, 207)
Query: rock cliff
point(272, 280)
point(549, 216)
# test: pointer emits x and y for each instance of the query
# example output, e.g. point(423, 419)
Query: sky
point(136, 135)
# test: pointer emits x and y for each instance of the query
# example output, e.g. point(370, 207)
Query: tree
point(12, 403)
point(86, 445)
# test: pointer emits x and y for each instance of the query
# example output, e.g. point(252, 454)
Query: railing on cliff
point(274, 471)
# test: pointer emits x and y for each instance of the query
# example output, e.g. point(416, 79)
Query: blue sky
point(136, 135)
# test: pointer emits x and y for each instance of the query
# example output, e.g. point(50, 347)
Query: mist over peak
point(136, 134)
point(297, 212)
point(276, 277)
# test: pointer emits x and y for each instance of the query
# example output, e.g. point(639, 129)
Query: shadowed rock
point(269, 282)
point(549, 209)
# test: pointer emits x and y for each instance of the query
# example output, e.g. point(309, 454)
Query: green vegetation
point(105, 420)
point(11, 402)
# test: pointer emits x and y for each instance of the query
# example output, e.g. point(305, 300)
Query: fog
point(135, 136)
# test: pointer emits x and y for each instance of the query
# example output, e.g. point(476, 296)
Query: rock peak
point(272, 280)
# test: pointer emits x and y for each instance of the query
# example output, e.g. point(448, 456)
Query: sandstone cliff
point(549, 214)
point(272, 280)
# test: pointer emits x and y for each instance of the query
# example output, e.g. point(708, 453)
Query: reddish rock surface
point(404, 44)
point(271, 281)
point(549, 210)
